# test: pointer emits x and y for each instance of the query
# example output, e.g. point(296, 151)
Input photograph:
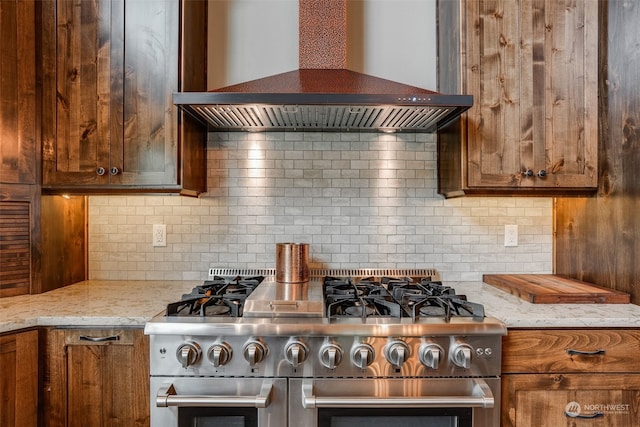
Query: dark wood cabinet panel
point(18, 129)
point(64, 240)
point(552, 400)
point(547, 351)
point(533, 71)
point(544, 384)
point(97, 377)
point(110, 70)
point(77, 64)
point(597, 238)
point(19, 379)
point(15, 248)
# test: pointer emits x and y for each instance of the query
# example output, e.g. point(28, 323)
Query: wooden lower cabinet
point(96, 377)
point(554, 400)
point(571, 377)
point(19, 379)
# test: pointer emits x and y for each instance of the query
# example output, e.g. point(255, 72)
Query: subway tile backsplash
point(359, 199)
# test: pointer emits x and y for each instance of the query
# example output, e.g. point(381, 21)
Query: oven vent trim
point(331, 272)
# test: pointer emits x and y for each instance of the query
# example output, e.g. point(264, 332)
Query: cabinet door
point(19, 379)
point(533, 66)
point(144, 128)
point(77, 101)
point(98, 377)
point(553, 400)
point(110, 68)
point(18, 148)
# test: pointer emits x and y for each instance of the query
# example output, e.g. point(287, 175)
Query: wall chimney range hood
point(322, 94)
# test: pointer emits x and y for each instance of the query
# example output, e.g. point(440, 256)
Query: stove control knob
point(430, 355)
point(219, 354)
point(254, 352)
point(188, 354)
point(362, 355)
point(296, 352)
point(396, 353)
point(331, 355)
point(461, 356)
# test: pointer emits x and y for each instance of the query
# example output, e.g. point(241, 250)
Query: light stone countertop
point(518, 313)
point(131, 303)
point(92, 303)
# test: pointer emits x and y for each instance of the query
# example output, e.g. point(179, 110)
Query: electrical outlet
point(159, 237)
point(511, 235)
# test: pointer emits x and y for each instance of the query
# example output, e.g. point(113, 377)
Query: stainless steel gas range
point(347, 348)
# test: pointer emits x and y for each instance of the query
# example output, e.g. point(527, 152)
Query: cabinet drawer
point(578, 350)
point(101, 336)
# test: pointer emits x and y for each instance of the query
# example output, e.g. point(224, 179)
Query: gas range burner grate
point(366, 306)
point(444, 306)
point(364, 298)
point(219, 296)
point(395, 297)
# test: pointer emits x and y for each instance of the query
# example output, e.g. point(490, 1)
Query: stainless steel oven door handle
point(481, 397)
point(167, 396)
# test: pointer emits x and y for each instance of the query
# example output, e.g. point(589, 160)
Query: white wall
point(250, 39)
point(360, 200)
point(392, 39)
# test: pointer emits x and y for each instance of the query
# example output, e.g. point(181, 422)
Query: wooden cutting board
point(552, 289)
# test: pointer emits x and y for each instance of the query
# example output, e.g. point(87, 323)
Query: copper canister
point(291, 262)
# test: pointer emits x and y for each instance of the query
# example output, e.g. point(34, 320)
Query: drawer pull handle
point(589, 416)
point(585, 353)
point(99, 339)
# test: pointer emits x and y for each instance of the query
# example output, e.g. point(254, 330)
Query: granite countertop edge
point(124, 303)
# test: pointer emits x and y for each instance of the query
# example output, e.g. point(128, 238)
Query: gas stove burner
point(217, 310)
point(445, 306)
point(368, 306)
point(219, 296)
point(395, 297)
point(359, 310)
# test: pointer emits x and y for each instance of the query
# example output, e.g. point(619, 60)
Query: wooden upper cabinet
point(532, 68)
point(110, 69)
point(18, 153)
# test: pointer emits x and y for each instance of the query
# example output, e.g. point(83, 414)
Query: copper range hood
point(322, 94)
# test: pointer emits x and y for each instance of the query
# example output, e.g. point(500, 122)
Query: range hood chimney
point(322, 94)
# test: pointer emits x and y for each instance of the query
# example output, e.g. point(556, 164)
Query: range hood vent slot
point(321, 117)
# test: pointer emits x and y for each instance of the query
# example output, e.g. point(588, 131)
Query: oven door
point(360, 402)
point(217, 402)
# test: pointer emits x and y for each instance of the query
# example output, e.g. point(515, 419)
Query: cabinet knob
point(528, 173)
point(542, 173)
point(100, 171)
point(114, 171)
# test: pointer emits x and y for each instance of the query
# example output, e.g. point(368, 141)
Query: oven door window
point(218, 417)
point(381, 417)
